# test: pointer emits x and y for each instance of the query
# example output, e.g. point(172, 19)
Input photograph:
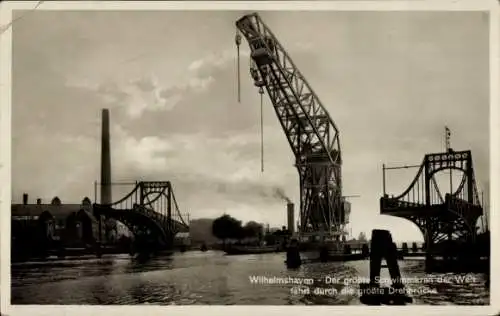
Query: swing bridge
point(150, 211)
point(443, 219)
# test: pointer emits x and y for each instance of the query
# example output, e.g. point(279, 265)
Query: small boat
point(330, 250)
point(310, 257)
point(249, 250)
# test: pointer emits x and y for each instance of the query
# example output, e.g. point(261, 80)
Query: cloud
point(148, 93)
point(141, 94)
point(197, 154)
point(213, 163)
point(140, 154)
point(215, 61)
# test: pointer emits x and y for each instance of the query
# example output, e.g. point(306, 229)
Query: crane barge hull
point(333, 251)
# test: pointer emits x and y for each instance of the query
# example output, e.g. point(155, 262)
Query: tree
point(270, 239)
point(362, 237)
point(253, 230)
point(226, 227)
point(281, 232)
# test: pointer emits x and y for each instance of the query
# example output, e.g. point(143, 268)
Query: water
point(215, 279)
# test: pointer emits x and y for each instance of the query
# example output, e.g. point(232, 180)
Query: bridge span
point(150, 211)
point(448, 222)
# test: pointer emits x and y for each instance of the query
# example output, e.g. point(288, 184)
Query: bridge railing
point(391, 204)
point(414, 195)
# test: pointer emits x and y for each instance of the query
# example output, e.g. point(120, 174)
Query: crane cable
point(261, 92)
point(237, 40)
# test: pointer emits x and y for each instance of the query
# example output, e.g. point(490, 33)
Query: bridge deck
point(398, 208)
point(171, 225)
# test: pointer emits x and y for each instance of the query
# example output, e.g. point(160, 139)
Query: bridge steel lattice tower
point(150, 211)
point(451, 217)
point(309, 129)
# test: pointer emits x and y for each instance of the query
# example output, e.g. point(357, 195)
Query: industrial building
point(67, 225)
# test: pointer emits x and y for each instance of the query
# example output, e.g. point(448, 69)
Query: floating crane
point(310, 131)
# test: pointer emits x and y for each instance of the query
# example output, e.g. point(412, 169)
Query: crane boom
point(310, 131)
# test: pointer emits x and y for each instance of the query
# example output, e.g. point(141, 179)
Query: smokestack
point(291, 218)
point(38, 201)
point(25, 198)
point(105, 160)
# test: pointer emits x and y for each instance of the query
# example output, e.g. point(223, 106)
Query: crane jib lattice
point(150, 207)
point(309, 129)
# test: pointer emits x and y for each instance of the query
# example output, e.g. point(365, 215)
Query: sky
point(391, 81)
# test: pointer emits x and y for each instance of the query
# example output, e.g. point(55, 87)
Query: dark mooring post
point(404, 249)
point(293, 259)
point(382, 247)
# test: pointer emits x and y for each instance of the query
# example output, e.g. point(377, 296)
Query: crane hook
point(237, 38)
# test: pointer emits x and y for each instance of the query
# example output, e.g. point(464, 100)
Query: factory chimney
point(291, 218)
point(25, 198)
point(105, 160)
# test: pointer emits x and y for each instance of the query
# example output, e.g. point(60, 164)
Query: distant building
point(182, 239)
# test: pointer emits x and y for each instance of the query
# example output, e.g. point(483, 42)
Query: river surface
point(216, 279)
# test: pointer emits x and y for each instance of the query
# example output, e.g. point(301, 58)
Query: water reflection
point(207, 278)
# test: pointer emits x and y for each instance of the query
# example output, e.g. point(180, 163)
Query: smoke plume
point(279, 193)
